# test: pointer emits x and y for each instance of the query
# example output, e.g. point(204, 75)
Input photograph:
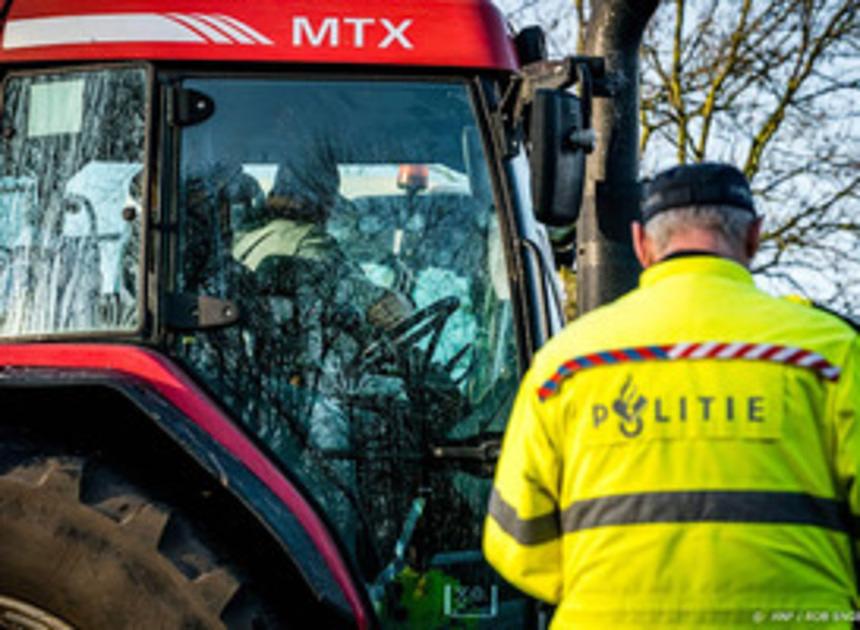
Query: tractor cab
point(323, 218)
point(350, 227)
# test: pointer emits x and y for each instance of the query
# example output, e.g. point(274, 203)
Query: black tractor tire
point(82, 545)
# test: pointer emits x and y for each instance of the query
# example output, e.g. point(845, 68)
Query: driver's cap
point(708, 183)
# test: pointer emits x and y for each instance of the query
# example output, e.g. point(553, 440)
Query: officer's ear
point(642, 245)
point(753, 238)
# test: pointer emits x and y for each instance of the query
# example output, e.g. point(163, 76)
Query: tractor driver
point(291, 253)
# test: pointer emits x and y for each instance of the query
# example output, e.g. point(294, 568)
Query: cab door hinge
point(188, 311)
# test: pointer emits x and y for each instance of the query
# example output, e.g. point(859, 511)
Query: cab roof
point(438, 33)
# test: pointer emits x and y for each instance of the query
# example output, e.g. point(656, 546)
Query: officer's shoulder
point(850, 321)
point(587, 333)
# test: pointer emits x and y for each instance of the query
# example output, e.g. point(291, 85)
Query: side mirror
point(559, 141)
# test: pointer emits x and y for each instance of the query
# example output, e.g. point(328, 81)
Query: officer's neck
point(687, 253)
point(697, 242)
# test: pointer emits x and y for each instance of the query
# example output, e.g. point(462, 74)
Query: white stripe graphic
point(758, 350)
point(730, 350)
point(831, 373)
point(250, 32)
point(810, 359)
point(784, 355)
point(225, 27)
point(703, 350)
point(214, 35)
point(95, 29)
point(679, 349)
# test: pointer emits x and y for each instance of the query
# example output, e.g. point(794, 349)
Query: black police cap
point(707, 183)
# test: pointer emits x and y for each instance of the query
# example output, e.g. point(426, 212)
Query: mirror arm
point(588, 72)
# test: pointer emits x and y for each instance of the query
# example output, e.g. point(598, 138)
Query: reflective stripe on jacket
point(685, 457)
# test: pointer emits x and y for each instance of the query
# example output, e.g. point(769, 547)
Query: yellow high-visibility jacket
point(686, 457)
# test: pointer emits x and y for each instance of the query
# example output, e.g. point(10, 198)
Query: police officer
point(686, 456)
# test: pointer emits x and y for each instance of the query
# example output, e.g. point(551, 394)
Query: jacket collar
point(700, 264)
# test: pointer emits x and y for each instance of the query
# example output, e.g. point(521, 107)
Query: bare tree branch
point(772, 86)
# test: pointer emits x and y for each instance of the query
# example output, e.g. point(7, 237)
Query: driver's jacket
point(686, 457)
point(275, 250)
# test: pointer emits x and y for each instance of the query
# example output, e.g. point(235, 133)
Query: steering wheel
point(398, 346)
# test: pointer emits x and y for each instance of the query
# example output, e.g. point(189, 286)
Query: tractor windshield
point(353, 226)
point(70, 196)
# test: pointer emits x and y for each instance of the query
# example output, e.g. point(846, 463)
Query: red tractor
point(269, 275)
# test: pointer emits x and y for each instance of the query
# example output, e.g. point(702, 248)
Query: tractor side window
point(71, 169)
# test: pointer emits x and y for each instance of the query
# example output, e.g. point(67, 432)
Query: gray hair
point(728, 222)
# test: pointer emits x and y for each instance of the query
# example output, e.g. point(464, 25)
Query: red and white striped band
point(737, 350)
